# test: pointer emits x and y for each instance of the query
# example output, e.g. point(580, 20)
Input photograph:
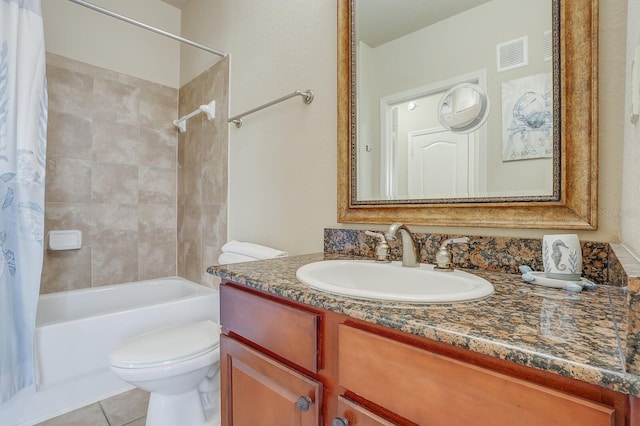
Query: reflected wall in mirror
point(532, 164)
point(402, 72)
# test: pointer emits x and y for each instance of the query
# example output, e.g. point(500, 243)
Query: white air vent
point(512, 54)
point(548, 46)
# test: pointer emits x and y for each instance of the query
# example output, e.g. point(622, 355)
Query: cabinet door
point(353, 414)
point(257, 390)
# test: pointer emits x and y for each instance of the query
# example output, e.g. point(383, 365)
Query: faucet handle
point(457, 240)
point(443, 256)
point(382, 248)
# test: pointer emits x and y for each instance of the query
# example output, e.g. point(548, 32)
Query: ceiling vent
point(512, 54)
point(548, 46)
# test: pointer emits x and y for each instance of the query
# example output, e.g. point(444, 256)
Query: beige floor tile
point(126, 407)
point(89, 415)
point(139, 422)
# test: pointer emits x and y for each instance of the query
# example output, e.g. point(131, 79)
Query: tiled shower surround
point(202, 174)
point(112, 172)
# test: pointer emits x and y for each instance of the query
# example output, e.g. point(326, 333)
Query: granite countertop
point(577, 335)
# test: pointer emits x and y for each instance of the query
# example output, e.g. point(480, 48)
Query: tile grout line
point(104, 413)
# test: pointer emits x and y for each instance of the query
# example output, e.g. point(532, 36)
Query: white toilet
point(179, 366)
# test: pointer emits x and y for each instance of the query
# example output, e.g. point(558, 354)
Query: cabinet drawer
point(283, 330)
point(431, 389)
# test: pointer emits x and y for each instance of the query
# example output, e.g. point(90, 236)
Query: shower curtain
point(23, 127)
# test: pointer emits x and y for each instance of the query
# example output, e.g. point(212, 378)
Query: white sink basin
point(366, 279)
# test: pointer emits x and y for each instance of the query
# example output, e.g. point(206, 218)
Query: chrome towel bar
point(307, 97)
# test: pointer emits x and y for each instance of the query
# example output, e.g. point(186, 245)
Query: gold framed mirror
point(574, 204)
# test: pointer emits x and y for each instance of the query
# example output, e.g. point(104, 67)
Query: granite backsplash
point(496, 254)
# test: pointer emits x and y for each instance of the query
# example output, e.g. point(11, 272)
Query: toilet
point(179, 366)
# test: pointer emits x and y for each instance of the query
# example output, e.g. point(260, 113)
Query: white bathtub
point(77, 330)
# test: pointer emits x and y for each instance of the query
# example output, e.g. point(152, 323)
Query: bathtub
point(77, 330)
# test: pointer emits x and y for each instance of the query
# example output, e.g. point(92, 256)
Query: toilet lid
point(167, 346)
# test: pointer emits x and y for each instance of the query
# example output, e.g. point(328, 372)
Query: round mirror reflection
point(463, 108)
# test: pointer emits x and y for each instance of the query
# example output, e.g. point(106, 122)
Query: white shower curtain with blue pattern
point(23, 128)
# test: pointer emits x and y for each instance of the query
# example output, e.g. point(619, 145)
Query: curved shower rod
point(148, 27)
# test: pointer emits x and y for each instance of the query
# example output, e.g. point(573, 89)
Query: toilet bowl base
point(178, 409)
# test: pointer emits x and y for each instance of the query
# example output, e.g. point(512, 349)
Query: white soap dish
point(539, 278)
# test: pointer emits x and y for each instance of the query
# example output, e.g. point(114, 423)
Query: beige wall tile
point(114, 184)
point(68, 180)
point(114, 224)
point(214, 225)
point(210, 257)
point(192, 184)
point(192, 223)
point(157, 185)
point(157, 223)
point(96, 145)
point(138, 193)
point(70, 216)
point(69, 91)
point(156, 260)
point(68, 136)
point(202, 176)
point(66, 270)
point(116, 143)
point(193, 261)
point(157, 148)
point(181, 258)
point(116, 102)
point(114, 263)
point(214, 185)
point(157, 109)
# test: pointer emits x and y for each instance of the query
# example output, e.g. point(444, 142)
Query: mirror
point(462, 109)
point(556, 109)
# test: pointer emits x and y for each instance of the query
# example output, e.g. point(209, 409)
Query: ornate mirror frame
point(578, 201)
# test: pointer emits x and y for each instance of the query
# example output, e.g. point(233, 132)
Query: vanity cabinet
point(285, 363)
point(257, 387)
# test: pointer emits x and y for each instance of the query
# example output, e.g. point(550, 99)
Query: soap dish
point(539, 278)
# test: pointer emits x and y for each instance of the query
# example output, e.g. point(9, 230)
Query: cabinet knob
point(340, 421)
point(303, 403)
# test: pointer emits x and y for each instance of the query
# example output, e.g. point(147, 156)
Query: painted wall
point(85, 35)
point(630, 209)
point(283, 161)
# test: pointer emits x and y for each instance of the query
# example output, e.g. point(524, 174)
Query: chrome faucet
point(443, 256)
point(409, 246)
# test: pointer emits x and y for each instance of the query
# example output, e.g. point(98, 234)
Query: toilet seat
point(167, 346)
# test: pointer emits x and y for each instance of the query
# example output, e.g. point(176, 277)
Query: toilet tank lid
point(167, 345)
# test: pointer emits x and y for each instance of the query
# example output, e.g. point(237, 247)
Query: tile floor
point(125, 409)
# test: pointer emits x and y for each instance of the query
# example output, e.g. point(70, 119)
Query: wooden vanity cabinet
point(276, 354)
point(264, 350)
